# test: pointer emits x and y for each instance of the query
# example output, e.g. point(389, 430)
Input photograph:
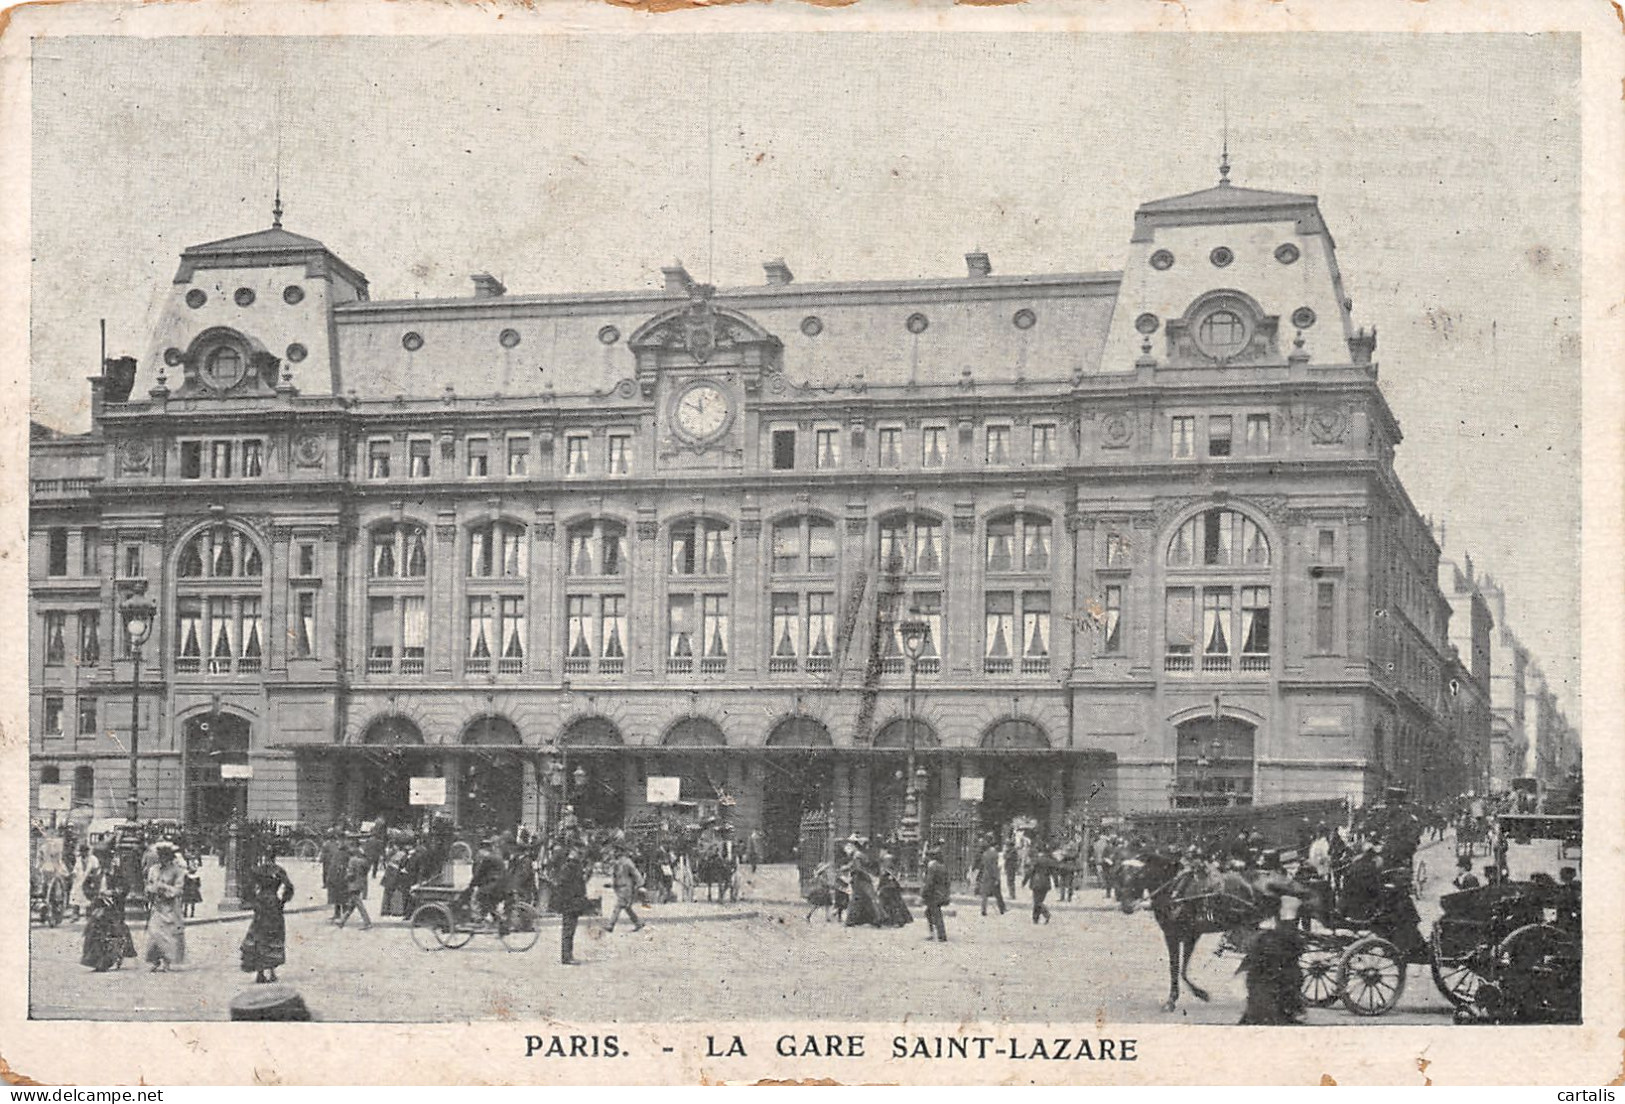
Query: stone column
point(452, 640)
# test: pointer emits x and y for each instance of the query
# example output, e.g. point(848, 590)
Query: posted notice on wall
point(427, 791)
point(970, 788)
point(236, 770)
point(664, 791)
point(55, 796)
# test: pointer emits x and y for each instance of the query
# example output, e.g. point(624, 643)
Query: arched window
point(591, 732)
point(1014, 733)
point(1217, 604)
point(498, 549)
point(800, 732)
point(912, 544)
point(595, 622)
point(802, 629)
point(492, 731)
point(698, 607)
point(1016, 633)
point(223, 367)
point(1221, 332)
point(392, 731)
point(1020, 543)
point(895, 734)
point(397, 605)
point(695, 732)
point(219, 602)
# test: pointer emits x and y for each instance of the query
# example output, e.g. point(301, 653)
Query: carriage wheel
point(524, 927)
point(1317, 967)
point(426, 923)
point(307, 850)
point(1453, 971)
point(56, 901)
point(461, 852)
point(1371, 976)
point(1539, 974)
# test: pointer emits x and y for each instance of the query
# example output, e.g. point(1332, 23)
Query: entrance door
point(213, 741)
point(792, 787)
point(219, 804)
point(387, 788)
point(1016, 793)
point(493, 794)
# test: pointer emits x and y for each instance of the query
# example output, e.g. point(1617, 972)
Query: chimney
point(778, 273)
point(978, 264)
point(678, 281)
point(487, 286)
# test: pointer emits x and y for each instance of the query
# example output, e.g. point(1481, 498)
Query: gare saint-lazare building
point(547, 547)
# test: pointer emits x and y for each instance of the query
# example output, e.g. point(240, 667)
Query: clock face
point(702, 411)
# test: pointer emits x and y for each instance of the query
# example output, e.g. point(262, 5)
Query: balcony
point(713, 665)
point(412, 665)
point(248, 665)
point(892, 665)
point(511, 665)
point(1035, 665)
point(187, 665)
point(478, 665)
point(1255, 664)
point(380, 665)
point(577, 665)
point(612, 665)
point(998, 665)
point(780, 665)
point(1215, 664)
point(820, 665)
point(679, 665)
point(1179, 663)
point(219, 665)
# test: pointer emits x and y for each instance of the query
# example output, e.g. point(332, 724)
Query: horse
point(1190, 903)
point(716, 870)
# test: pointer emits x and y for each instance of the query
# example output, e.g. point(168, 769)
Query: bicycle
point(445, 921)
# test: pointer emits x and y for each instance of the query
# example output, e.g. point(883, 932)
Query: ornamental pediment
point(704, 332)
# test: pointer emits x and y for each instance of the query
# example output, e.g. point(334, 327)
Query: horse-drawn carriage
point(1510, 952)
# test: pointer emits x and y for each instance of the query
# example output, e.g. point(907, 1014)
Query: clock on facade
point(701, 411)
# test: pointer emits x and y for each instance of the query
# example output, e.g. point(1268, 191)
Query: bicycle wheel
point(523, 928)
point(56, 901)
point(427, 922)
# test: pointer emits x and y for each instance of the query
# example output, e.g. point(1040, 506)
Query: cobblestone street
point(755, 960)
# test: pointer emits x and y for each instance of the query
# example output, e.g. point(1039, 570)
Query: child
point(191, 888)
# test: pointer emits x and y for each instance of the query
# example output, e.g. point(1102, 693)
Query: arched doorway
point(216, 762)
point(1213, 763)
point(1020, 783)
point(888, 777)
point(795, 781)
point(493, 797)
point(394, 755)
point(704, 776)
point(591, 746)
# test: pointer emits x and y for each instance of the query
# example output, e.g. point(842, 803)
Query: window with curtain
point(380, 635)
point(680, 626)
point(827, 448)
point(414, 634)
point(613, 620)
point(481, 627)
point(1220, 607)
point(1219, 538)
point(578, 627)
point(253, 647)
point(304, 634)
point(56, 645)
point(1035, 635)
point(1112, 629)
point(714, 629)
point(90, 637)
point(786, 627)
point(933, 446)
point(890, 442)
point(511, 612)
point(1000, 632)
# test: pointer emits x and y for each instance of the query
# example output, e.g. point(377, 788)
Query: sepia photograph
point(812, 529)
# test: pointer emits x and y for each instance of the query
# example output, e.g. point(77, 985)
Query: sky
point(1447, 168)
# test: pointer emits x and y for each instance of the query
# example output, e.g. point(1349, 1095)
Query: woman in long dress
point(166, 927)
point(894, 911)
point(107, 937)
point(864, 907)
point(265, 947)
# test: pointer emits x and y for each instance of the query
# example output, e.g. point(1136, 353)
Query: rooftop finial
point(276, 210)
point(1224, 157)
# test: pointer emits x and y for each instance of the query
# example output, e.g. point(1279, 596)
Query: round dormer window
point(1221, 333)
point(223, 367)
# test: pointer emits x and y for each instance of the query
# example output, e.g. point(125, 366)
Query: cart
point(442, 919)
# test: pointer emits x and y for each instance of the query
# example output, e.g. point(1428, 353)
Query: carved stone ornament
point(546, 530)
point(964, 525)
point(752, 528)
point(447, 533)
point(1328, 425)
point(857, 526)
point(648, 530)
point(307, 451)
point(699, 330)
point(135, 455)
point(1116, 431)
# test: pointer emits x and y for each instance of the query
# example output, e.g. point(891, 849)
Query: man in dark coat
point(570, 890)
point(1039, 881)
point(987, 876)
point(1274, 981)
point(934, 893)
point(356, 868)
point(332, 858)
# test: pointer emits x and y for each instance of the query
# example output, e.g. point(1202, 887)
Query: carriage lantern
point(916, 633)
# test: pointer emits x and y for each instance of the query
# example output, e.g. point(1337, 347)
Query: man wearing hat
point(987, 876)
point(356, 868)
point(571, 892)
point(488, 884)
point(628, 879)
point(166, 928)
point(1274, 980)
point(934, 892)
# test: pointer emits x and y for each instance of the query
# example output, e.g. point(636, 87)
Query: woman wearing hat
point(107, 937)
point(265, 947)
point(864, 907)
point(166, 927)
point(894, 911)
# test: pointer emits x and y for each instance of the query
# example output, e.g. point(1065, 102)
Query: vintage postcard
point(895, 544)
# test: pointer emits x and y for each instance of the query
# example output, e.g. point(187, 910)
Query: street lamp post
point(916, 633)
point(137, 612)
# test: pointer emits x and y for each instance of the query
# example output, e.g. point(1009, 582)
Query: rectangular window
point(786, 632)
point(890, 442)
point(784, 449)
point(191, 459)
point(998, 644)
point(518, 457)
point(304, 624)
point(90, 553)
point(1216, 629)
point(253, 459)
point(1325, 617)
point(928, 605)
point(1044, 444)
point(1182, 438)
point(933, 446)
point(620, 454)
point(927, 548)
point(1258, 434)
point(827, 449)
point(414, 635)
point(1035, 624)
point(820, 546)
point(418, 454)
point(787, 547)
point(220, 459)
point(511, 627)
point(1326, 546)
point(998, 444)
point(1001, 545)
point(377, 459)
point(56, 552)
point(1179, 622)
point(575, 455)
point(579, 637)
point(482, 636)
point(90, 637)
point(479, 457)
point(680, 631)
point(714, 629)
point(480, 557)
point(613, 620)
point(820, 630)
point(1112, 627)
point(88, 722)
point(380, 635)
point(1218, 435)
point(1117, 550)
point(305, 559)
point(56, 645)
point(53, 715)
point(132, 561)
point(383, 553)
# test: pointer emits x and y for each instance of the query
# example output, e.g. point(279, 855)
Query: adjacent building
point(550, 547)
